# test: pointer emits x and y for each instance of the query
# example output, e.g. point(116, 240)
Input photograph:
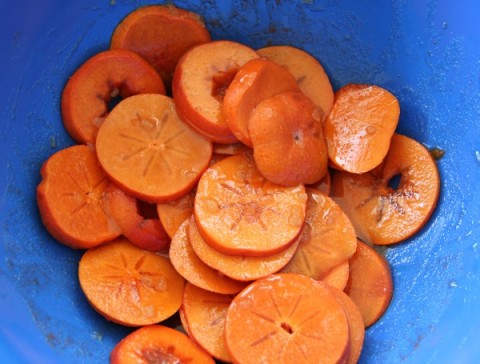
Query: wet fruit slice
point(382, 212)
point(239, 212)
point(70, 199)
point(148, 151)
point(359, 127)
point(205, 314)
point(254, 82)
point(128, 285)
point(138, 220)
point(158, 344)
point(161, 35)
point(328, 238)
point(172, 214)
point(370, 283)
point(307, 70)
point(287, 318)
point(199, 84)
point(239, 267)
point(287, 138)
point(103, 78)
point(338, 276)
point(194, 270)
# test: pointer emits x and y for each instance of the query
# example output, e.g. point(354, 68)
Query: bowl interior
point(427, 53)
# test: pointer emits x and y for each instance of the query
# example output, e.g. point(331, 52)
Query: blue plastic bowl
point(426, 52)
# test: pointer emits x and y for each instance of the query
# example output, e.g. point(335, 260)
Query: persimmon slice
point(287, 138)
point(205, 314)
point(149, 152)
point(194, 270)
point(172, 214)
point(128, 285)
point(338, 276)
point(370, 283)
point(254, 82)
point(158, 344)
point(360, 126)
point(355, 324)
point(239, 212)
point(324, 185)
point(307, 70)
point(137, 220)
point(161, 35)
point(328, 238)
point(239, 267)
point(106, 76)
point(199, 84)
point(287, 318)
point(70, 199)
point(381, 212)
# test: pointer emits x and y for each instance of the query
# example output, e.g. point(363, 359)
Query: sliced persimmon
point(70, 199)
point(149, 152)
point(355, 324)
point(129, 285)
point(172, 214)
point(137, 220)
point(194, 270)
point(307, 70)
point(287, 138)
point(324, 185)
point(384, 213)
point(328, 238)
point(360, 126)
point(239, 212)
point(199, 84)
point(239, 267)
point(254, 82)
point(231, 149)
point(161, 34)
point(338, 276)
point(103, 78)
point(370, 283)
point(205, 314)
point(287, 318)
point(158, 344)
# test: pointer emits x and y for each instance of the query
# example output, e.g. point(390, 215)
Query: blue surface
point(426, 52)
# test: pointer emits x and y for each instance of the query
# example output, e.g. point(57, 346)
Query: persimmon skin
point(103, 77)
point(255, 81)
point(360, 126)
point(199, 83)
point(161, 34)
point(158, 344)
point(384, 215)
point(287, 138)
point(70, 199)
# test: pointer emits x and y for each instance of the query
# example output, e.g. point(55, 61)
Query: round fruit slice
point(239, 267)
point(328, 238)
point(158, 344)
point(370, 283)
point(199, 83)
point(307, 70)
point(287, 318)
point(147, 150)
point(287, 138)
point(103, 79)
point(359, 127)
point(205, 314)
point(239, 212)
point(128, 285)
point(172, 214)
point(70, 199)
point(161, 35)
point(254, 82)
point(194, 270)
point(382, 212)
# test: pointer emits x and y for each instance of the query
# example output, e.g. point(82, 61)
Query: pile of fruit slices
point(233, 187)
